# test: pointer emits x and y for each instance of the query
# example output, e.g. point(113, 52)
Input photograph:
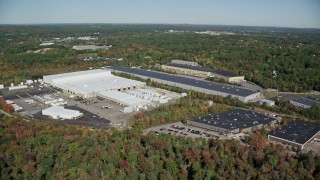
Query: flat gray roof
point(232, 90)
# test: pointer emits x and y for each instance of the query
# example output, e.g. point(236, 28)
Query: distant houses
point(100, 59)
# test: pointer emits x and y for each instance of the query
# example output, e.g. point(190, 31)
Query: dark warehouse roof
point(234, 119)
point(297, 131)
point(187, 81)
point(305, 101)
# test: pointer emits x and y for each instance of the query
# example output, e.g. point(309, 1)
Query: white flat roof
point(58, 111)
point(91, 81)
point(267, 101)
point(123, 98)
point(78, 74)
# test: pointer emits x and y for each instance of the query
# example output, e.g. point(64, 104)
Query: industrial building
point(242, 94)
point(102, 84)
point(304, 102)
point(46, 44)
point(89, 83)
point(123, 99)
point(49, 100)
point(149, 95)
point(202, 72)
point(296, 133)
point(58, 112)
point(187, 69)
point(90, 47)
point(233, 121)
point(190, 63)
point(17, 108)
point(267, 102)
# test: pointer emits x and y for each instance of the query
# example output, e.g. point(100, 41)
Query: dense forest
point(31, 149)
point(251, 51)
point(40, 150)
point(184, 109)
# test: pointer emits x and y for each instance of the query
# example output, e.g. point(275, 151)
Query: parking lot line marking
point(19, 97)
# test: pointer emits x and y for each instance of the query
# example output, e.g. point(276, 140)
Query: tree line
point(42, 150)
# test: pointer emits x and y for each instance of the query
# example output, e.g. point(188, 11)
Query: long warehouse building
point(242, 94)
point(233, 121)
point(202, 72)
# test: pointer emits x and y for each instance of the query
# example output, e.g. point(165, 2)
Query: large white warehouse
point(89, 83)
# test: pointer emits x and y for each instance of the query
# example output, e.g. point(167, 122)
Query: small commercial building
point(17, 108)
point(11, 88)
point(190, 63)
point(202, 72)
point(90, 47)
point(304, 102)
point(267, 102)
point(206, 87)
point(46, 44)
point(58, 112)
point(233, 121)
point(296, 133)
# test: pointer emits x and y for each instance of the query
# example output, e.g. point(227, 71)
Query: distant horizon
point(110, 23)
point(271, 13)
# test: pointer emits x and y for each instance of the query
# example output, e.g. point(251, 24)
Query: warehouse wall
point(213, 128)
point(186, 71)
point(185, 62)
point(299, 104)
point(236, 79)
point(275, 139)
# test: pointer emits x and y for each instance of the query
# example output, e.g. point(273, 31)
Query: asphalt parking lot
point(28, 108)
point(28, 92)
point(88, 119)
point(95, 106)
point(99, 109)
point(91, 105)
point(22, 98)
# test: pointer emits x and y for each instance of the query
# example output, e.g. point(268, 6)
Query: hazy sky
point(284, 13)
